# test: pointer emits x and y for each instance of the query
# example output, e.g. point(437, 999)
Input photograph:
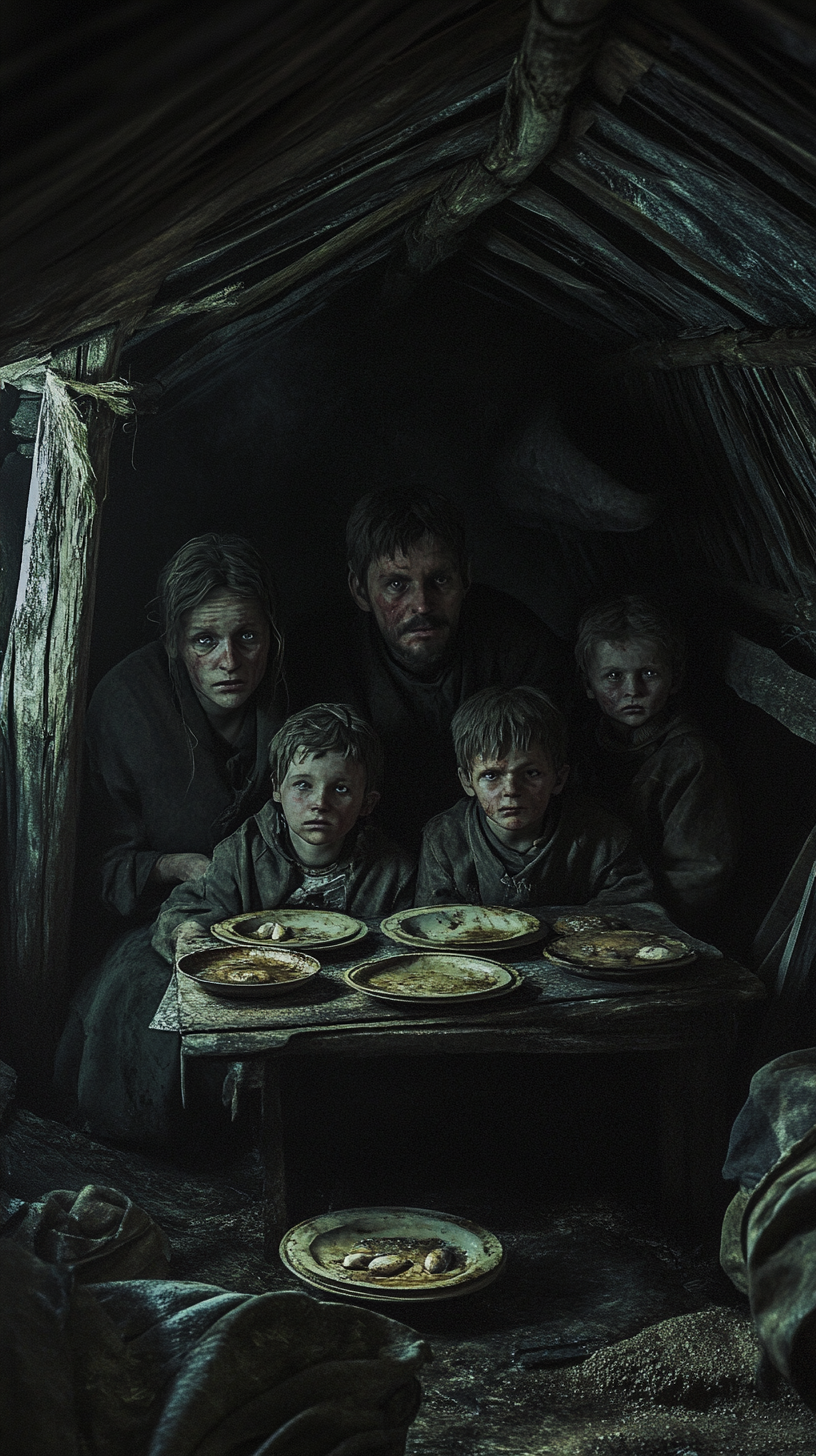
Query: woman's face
point(225, 646)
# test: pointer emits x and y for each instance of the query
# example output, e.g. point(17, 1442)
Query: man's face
point(322, 798)
point(225, 646)
point(631, 681)
point(515, 790)
point(415, 600)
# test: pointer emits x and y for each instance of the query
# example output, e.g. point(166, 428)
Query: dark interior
point(645, 296)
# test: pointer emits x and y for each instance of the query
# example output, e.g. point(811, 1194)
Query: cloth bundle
point(768, 1246)
point(158, 1368)
point(98, 1232)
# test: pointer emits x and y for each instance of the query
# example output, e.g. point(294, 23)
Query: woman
point(178, 739)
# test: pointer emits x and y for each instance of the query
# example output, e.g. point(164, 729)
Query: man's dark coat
point(585, 855)
point(499, 643)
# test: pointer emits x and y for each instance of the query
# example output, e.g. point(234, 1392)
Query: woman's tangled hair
point(215, 563)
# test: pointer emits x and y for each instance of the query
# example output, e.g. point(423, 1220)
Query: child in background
point(517, 838)
point(650, 763)
point(306, 846)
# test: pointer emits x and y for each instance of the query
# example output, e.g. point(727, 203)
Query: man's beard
point(422, 654)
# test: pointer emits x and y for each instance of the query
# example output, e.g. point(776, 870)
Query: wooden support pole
point(42, 701)
point(275, 1209)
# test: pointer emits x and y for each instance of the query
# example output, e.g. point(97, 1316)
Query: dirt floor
point(601, 1338)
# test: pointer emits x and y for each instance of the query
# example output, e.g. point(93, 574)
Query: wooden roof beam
point(560, 41)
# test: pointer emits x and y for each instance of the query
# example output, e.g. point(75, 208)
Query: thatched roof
point(200, 175)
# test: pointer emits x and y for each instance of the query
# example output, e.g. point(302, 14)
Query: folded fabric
point(157, 1368)
point(768, 1246)
point(98, 1231)
point(779, 1241)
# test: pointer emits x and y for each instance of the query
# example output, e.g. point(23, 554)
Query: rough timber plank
point(42, 696)
point(761, 677)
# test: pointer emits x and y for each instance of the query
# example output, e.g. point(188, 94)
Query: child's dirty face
point(631, 681)
point(515, 790)
point(323, 797)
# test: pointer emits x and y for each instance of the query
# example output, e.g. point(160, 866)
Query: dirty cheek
point(196, 667)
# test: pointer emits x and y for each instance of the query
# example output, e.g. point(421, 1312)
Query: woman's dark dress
point(160, 781)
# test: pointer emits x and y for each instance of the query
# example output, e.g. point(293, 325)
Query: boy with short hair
point(649, 762)
point(306, 846)
point(517, 838)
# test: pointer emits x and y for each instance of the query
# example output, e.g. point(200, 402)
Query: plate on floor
point(619, 953)
point(243, 973)
point(448, 927)
point(301, 928)
point(464, 1257)
point(433, 978)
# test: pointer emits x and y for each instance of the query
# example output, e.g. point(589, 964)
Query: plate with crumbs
point(448, 927)
point(243, 973)
point(435, 978)
point(387, 1254)
point(293, 928)
point(624, 953)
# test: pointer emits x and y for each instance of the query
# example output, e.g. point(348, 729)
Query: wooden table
point(689, 1018)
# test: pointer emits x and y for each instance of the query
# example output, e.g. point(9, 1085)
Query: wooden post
point(274, 1194)
point(694, 1121)
point(42, 703)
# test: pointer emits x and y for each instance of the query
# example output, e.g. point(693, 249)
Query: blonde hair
point(496, 720)
point(327, 728)
point(619, 620)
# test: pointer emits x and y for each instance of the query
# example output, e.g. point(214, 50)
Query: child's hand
point(176, 869)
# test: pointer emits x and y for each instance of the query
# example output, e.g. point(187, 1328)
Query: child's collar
point(637, 737)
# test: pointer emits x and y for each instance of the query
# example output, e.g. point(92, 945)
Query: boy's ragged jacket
point(255, 869)
point(585, 854)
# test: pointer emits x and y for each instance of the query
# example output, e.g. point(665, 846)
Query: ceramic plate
point(315, 1250)
point(437, 977)
point(303, 927)
point(622, 953)
point(444, 927)
point(248, 974)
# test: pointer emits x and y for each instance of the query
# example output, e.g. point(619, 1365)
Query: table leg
point(274, 1193)
point(693, 1135)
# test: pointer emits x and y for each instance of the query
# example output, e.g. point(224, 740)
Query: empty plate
point(435, 977)
point(468, 926)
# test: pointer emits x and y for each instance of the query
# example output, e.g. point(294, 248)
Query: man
point(421, 641)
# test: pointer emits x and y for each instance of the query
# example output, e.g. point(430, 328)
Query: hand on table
point(174, 869)
point(188, 936)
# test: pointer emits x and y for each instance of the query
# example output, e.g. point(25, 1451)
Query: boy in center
point(520, 837)
point(310, 846)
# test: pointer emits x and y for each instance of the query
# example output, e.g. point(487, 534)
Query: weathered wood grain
point(734, 347)
point(761, 677)
point(559, 43)
point(42, 707)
